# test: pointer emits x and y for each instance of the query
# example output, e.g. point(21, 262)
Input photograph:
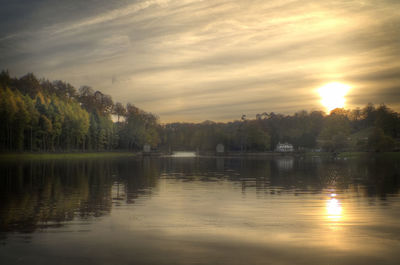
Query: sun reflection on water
point(333, 208)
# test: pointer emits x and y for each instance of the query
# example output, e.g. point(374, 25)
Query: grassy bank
point(357, 154)
point(383, 155)
point(44, 156)
point(353, 154)
point(389, 155)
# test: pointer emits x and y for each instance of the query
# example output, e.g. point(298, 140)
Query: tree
point(119, 110)
point(379, 142)
point(51, 115)
point(335, 131)
point(8, 111)
point(29, 84)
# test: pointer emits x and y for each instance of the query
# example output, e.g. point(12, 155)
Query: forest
point(38, 115)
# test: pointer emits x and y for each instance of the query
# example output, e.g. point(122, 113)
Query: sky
point(196, 60)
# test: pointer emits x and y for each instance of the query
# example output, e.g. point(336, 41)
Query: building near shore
point(220, 148)
point(284, 147)
point(146, 148)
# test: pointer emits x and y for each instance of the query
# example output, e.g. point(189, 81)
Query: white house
point(284, 147)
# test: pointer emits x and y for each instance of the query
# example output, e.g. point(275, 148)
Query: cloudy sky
point(193, 60)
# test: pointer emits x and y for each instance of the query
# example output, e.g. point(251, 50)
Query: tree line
point(372, 128)
point(42, 115)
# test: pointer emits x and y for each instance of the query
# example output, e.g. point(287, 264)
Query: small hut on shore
point(220, 148)
point(146, 148)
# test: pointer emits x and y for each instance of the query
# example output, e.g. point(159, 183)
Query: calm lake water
point(199, 210)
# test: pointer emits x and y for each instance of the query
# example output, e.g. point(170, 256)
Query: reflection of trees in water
point(48, 193)
point(372, 177)
point(380, 176)
point(135, 178)
point(39, 194)
point(375, 177)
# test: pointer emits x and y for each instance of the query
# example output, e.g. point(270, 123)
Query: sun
point(333, 95)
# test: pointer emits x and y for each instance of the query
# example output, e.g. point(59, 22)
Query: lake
point(200, 210)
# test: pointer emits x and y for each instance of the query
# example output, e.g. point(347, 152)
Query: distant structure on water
point(284, 147)
point(220, 148)
point(146, 148)
point(183, 154)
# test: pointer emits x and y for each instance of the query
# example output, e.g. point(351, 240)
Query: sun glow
point(333, 95)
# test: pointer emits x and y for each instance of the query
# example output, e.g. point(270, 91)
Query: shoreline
point(115, 154)
point(66, 155)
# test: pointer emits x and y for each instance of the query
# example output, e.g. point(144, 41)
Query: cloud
point(198, 60)
point(119, 13)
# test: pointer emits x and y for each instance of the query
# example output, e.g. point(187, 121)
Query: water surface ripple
point(198, 210)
